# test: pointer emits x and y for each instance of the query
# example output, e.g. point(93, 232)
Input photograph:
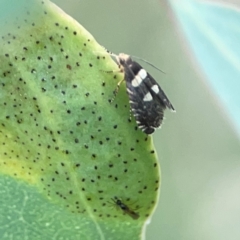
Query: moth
point(147, 99)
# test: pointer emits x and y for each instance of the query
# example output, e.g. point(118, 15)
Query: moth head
point(124, 59)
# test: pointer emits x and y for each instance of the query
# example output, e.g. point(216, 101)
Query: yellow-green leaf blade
point(61, 140)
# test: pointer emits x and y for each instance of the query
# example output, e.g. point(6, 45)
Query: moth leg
point(119, 83)
point(114, 71)
point(118, 86)
point(115, 92)
point(111, 71)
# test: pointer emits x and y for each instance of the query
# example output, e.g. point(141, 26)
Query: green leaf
point(66, 152)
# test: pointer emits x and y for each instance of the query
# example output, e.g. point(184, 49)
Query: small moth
point(147, 99)
point(125, 208)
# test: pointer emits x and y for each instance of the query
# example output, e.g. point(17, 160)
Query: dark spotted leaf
point(66, 152)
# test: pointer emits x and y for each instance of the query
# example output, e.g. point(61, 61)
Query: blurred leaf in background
point(212, 30)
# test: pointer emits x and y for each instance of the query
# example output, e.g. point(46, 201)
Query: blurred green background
point(197, 146)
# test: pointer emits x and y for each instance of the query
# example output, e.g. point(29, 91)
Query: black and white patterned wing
point(147, 99)
point(146, 108)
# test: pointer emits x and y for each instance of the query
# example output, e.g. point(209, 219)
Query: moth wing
point(157, 92)
point(148, 114)
point(147, 99)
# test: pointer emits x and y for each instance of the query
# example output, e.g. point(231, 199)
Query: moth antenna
point(107, 51)
point(148, 63)
point(112, 54)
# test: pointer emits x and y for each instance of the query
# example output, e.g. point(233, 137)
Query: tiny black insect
point(147, 99)
point(125, 208)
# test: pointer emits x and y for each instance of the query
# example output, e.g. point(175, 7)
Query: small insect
point(147, 99)
point(125, 208)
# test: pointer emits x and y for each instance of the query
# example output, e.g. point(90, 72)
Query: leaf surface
point(66, 152)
